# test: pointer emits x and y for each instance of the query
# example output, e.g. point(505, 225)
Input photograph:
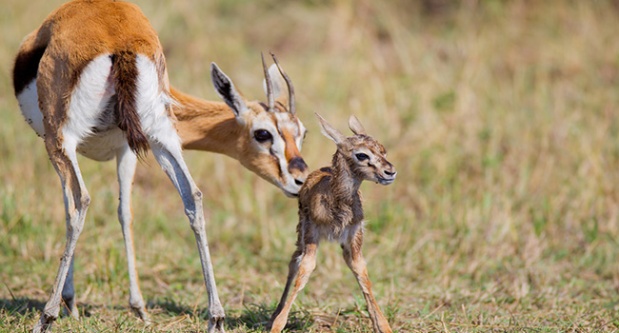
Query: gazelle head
point(366, 157)
point(270, 144)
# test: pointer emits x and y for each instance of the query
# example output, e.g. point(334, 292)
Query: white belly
point(102, 146)
point(99, 146)
point(89, 121)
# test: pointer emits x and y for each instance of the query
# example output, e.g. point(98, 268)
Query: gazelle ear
point(355, 126)
point(226, 90)
point(280, 92)
point(329, 131)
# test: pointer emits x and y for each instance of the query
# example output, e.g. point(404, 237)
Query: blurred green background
point(501, 117)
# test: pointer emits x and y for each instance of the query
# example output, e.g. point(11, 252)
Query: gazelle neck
point(206, 125)
point(345, 184)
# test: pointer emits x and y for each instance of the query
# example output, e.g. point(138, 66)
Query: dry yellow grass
point(502, 118)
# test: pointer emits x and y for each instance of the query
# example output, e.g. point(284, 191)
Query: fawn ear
point(329, 131)
point(226, 90)
point(355, 126)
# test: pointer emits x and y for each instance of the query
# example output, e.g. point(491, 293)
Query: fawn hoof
point(386, 330)
point(276, 326)
point(383, 328)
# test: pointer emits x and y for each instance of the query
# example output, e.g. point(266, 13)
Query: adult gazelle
point(92, 79)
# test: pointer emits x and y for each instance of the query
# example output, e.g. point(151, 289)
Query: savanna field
point(501, 117)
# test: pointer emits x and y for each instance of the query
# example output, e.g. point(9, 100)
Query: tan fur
point(206, 125)
point(203, 125)
point(56, 55)
point(330, 208)
point(66, 54)
point(211, 126)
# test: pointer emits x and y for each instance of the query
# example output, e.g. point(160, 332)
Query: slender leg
point(126, 164)
point(293, 269)
point(68, 291)
point(356, 263)
point(174, 166)
point(166, 146)
point(301, 267)
point(76, 199)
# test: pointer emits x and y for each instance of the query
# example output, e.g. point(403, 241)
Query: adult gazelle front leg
point(153, 108)
point(126, 164)
point(174, 166)
point(356, 263)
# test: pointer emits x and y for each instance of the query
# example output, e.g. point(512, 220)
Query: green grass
point(502, 118)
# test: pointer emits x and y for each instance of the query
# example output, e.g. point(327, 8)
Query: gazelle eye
point(362, 157)
point(262, 135)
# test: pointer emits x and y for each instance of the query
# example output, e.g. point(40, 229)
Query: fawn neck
point(344, 184)
point(206, 125)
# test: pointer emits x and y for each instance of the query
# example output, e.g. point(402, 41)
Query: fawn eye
point(362, 157)
point(262, 135)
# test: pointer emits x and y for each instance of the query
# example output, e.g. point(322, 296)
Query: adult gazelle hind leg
point(63, 157)
point(126, 164)
point(66, 121)
point(355, 261)
point(68, 291)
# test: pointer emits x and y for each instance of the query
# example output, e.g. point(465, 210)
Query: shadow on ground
point(21, 306)
point(254, 317)
point(24, 306)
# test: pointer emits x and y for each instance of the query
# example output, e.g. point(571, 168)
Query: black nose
point(298, 182)
point(297, 163)
point(390, 173)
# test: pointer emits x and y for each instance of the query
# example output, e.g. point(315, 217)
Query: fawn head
point(366, 157)
point(272, 136)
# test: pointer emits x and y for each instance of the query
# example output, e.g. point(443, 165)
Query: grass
point(501, 117)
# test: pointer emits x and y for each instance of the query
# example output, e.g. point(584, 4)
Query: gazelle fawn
point(330, 208)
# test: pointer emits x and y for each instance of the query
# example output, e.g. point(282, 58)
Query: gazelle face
point(270, 145)
point(368, 158)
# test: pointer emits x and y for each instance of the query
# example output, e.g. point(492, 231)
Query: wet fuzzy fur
point(330, 208)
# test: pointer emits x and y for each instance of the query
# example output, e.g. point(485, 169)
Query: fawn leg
point(356, 263)
point(301, 266)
